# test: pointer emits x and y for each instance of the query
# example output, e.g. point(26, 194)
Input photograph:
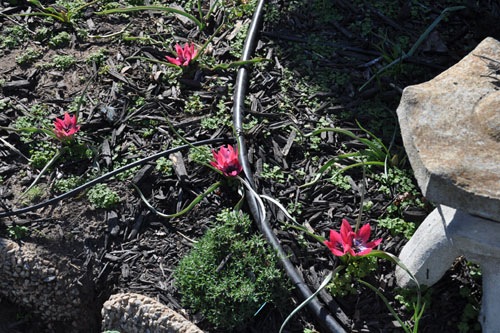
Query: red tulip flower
point(226, 160)
point(341, 244)
point(360, 243)
point(184, 55)
point(64, 129)
point(350, 242)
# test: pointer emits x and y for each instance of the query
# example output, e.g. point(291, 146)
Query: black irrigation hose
point(323, 316)
point(111, 174)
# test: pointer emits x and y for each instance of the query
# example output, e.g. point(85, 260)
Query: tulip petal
point(226, 160)
point(65, 128)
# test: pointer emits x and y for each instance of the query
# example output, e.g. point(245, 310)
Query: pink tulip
point(64, 129)
point(350, 242)
point(226, 160)
point(184, 55)
point(361, 245)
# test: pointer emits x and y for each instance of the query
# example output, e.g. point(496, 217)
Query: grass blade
point(153, 8)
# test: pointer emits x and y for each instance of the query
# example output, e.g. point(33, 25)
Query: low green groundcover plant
point(230, 273)
point(101, 196)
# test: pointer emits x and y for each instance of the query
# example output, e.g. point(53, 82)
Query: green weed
point(29, 56)
point(64, 185)
point(63, 62)
point(221, 118)
point(101, 196)
point(340, 180)
point(308, 330)
point(295, 208)
point(397, 226)
point(164, 165)
point(13, 37)
point(127, 174)
point(399, 183)
point(4, 103)
point(194, 104)
point(274, 173)
point(29, 128)
point(77, 103)
point(237, 43)
point(61, 39)
point(17, 232)
point(200, 155)
point(42, 33)
point(344, 282)
point(41, 153)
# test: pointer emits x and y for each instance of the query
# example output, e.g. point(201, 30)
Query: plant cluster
point(101, 196)
point(29, 56)
point(345, 282)
point(17, 232)
point(164, 165)
point(353, 247)
point(354, 243)
point(242, 271)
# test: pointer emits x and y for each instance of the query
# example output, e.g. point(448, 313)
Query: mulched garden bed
point(318, 56)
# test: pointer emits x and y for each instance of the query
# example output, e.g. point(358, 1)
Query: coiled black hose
point(323, 316)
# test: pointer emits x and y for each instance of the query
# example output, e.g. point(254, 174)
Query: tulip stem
point(362, 200)
point(418, 306)
point(296, 224)
point(185, 210)
point(325, 282)
point(45, 168)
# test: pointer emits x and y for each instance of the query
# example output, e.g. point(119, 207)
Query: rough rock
point(451, 131)
point(50, 285)
point(135, 313)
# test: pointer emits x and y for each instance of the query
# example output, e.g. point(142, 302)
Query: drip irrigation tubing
point(323, 316)
point(110, 174)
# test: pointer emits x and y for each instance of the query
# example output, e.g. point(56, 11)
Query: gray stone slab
point(446, 234)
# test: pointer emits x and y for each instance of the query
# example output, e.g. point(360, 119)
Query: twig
point(112, 34)
point(17, 23)
point(14, 149)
